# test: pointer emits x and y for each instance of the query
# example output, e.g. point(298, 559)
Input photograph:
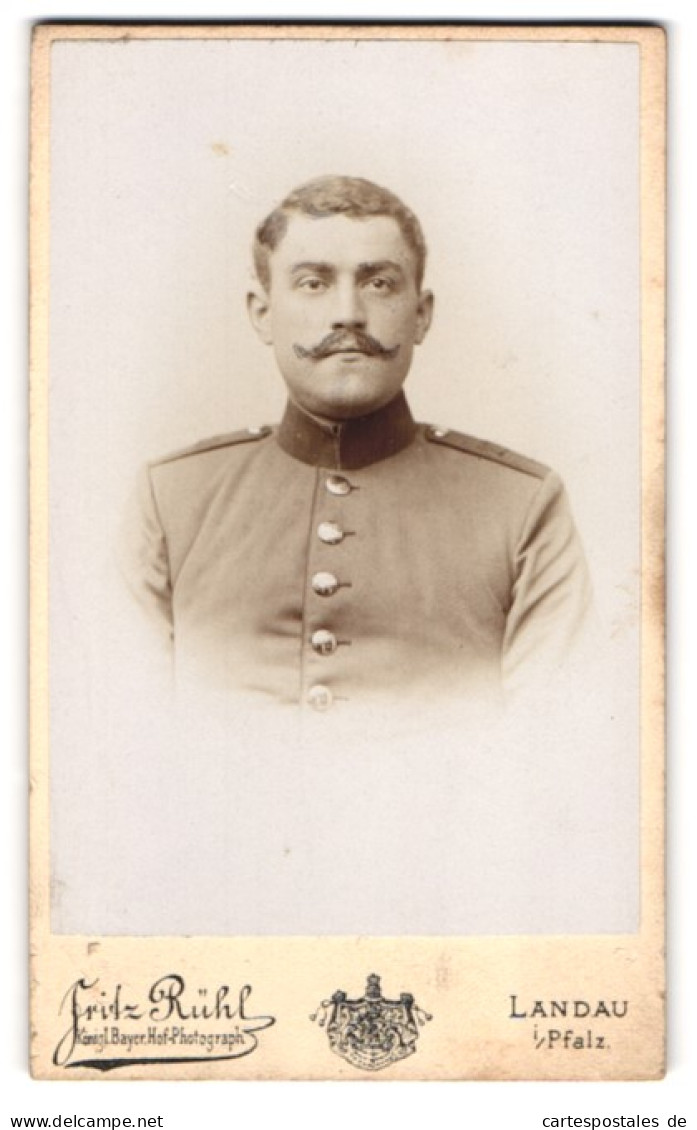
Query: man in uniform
point(351, 555)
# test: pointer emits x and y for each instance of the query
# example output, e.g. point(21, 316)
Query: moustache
point(339, 342)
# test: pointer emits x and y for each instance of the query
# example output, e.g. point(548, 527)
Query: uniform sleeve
point(548, 619)
point(144, 560)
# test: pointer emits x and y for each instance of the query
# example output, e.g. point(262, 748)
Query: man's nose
point(349, 311)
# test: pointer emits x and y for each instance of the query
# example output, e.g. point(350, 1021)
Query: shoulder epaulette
point(232, 439)
point(486, 450)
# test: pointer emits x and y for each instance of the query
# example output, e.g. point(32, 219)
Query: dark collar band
point(348, 445)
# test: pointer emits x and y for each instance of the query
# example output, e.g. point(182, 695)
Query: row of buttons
point(324, 642)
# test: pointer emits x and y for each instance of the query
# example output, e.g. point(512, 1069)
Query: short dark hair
point(335, 195)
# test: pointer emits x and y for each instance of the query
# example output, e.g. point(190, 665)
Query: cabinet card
point(347, 359)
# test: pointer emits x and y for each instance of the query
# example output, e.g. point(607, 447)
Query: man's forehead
point(339, 239)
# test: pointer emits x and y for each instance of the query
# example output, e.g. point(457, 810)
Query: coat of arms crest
point(371, 1031)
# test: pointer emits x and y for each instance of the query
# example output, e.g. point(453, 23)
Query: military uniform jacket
point(327, 564)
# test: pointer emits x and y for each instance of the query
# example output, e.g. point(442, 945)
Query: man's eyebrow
point(365, 269)
point(310, 265)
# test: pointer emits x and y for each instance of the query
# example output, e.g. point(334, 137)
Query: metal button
point(320, 697)
point(257, 430)
point(325, 584)
point(330, 533)
point(438, 433)
point(337, 484)
point(324, 642)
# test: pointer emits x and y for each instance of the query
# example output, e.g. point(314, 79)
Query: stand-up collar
point(350, 444)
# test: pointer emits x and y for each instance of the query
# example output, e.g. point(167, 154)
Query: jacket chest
point(339, 581)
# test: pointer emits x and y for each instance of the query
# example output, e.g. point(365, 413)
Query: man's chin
point(336, 390)
point(342, 409)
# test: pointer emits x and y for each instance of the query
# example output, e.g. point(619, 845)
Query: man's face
point(343, 313)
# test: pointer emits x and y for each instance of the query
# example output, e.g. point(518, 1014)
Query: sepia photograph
point(347, 465)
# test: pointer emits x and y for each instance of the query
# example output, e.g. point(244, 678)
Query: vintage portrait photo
point(347, 462)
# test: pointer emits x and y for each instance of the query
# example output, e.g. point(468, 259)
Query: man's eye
point(380, 283)
point(312, 282)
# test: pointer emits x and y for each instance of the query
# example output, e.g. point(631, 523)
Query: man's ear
point(259, 310)
point(424, 314)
